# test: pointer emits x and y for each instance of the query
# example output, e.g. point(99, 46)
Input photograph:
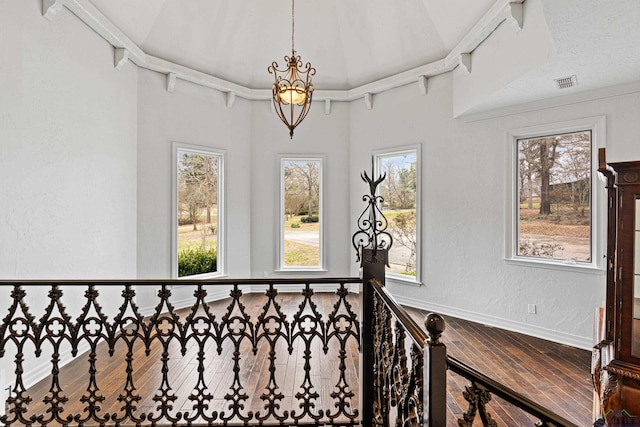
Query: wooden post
point(373, 263)
point(435, 373)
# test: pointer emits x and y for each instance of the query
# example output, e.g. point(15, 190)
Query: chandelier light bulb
point(292, 95)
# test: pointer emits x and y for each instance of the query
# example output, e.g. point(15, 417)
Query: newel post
point(373, 267)
point(435, 373)
point(372, 243)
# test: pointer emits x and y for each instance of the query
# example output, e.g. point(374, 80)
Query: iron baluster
point(91, 328)
point(237, 326)
point(272, 325)
point(18, 329)
point(162, 327)
point(55, 329)
point(342, 325)
point(305, 327)
point(131, 327)
point(199, 326)
point(478, 398)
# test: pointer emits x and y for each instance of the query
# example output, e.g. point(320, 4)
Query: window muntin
point(198, 215)
point(301, 219)
point(400, 191)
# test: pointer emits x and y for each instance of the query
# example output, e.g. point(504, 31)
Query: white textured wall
point(68, 124)
point(192, 115)
point(67, 150)
point(319, 133)
point(465, 205)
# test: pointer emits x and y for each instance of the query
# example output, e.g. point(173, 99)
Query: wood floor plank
point(555, 376)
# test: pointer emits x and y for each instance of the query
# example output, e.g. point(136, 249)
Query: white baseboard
point(3, 392)
point(212, 295)
point(577, 341)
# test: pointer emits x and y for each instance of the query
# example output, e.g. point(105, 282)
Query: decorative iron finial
point(372, 223)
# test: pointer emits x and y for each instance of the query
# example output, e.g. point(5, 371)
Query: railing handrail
point(183, 282)
point(506, 393)
point(416, 333)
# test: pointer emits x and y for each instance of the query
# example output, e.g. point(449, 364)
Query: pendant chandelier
point(292, 90)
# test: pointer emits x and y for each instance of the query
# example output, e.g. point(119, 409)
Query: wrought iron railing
point(478, 394)
point(410, 369)
point(398, 365)
point(405, 367)
point(195, 331)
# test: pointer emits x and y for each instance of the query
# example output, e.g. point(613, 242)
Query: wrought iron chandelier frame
point(292, 90)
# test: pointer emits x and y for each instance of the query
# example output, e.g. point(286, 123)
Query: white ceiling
point(355, 42)
point(598, 41)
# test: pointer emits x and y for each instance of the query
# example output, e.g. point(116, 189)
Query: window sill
point(403, 280)
point(301, 270)
point(556, 265)
point(200, 277)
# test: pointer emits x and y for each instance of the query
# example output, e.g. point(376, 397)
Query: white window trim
point(281, 268)
point(398, 151)
point(222, 242)
point(597, 126)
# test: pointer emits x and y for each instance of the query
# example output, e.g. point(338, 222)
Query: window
point(198, 212)
point(555, 195)
point(301, 214)
point(401, 206)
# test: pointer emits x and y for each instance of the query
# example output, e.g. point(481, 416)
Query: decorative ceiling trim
point(171, 82)
point(514, 15)
point(126, 49)
point(368, 100)
point(464, 61)
point(422, 85)
point(120, 58)
point(50, 8)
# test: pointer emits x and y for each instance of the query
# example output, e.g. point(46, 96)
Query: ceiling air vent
point(567, 82)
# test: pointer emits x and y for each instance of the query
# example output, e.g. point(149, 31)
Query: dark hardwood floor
point(553, 375)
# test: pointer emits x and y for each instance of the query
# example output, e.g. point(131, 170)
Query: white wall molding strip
point(501, 10)
point(190, 75)
point(585, 343)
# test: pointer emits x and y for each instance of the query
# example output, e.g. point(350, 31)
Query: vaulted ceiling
point(353, 43)
point(349, 42)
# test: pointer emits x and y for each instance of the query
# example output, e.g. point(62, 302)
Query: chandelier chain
point(292, 25)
